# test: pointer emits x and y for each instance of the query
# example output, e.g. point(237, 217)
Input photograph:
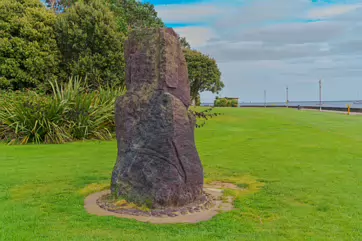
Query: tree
point(136, 13)
point(198, 100)
point(184, 43)
point(204, 74)
point(203, 71)
point(132, 12)
point(91, 44)
point(29, 55)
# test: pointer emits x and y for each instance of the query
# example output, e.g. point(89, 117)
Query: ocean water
point(341, 104)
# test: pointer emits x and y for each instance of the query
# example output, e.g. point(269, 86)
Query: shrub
point(71, 113)
point(29, 56)
point(223, 102)
point(34, 119)
point(234, 103)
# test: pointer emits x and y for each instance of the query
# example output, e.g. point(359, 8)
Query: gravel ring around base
point(172, 216)
point(206, 202)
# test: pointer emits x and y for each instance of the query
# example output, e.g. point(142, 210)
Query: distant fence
point(342, 109)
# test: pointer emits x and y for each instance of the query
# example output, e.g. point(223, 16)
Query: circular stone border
point(206, 202)
point(92, 207)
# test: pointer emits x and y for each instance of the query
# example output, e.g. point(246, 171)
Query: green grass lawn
point(309, 162)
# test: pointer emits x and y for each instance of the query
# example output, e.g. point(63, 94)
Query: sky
point(271, 44)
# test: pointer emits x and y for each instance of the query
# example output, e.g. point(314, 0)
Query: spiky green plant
point(70, 113)
point(36, 119)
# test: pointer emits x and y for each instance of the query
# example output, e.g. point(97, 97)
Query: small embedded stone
point(162, 213)
point(170, 214)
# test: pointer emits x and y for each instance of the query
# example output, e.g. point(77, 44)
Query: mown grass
point(302, 172)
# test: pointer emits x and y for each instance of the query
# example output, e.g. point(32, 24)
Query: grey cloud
point(284, 41)
point(295, 33)
point(248, 79)
point(260, 11)
point(178, 13)
point(244, 51)
point(353, 16)
point(348, 47)
point(287, 41)
point(332, 11)
point(256, 52)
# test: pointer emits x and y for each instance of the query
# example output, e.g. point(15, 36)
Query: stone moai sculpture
point(158, 164)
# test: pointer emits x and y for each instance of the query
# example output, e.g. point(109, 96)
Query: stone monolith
point(158, 164)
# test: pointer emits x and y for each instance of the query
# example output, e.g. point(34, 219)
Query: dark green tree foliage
point(198, 100)
point(204, 74)
point(135, 13)
point(91, 44)
point(129, 13)
point(28, 51)
point(203, 116)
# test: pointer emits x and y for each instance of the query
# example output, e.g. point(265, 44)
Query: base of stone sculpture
point(207, 202)
point(212, 204)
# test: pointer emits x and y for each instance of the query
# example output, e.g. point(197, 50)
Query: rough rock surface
point(158, 164)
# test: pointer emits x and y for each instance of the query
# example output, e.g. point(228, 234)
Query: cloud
point(354, 17)
point(351, 47)
point(284, 41)
point(251, 13)
point(293, 33)
point(187, 13)
point(249, 51)
point(196, 36)
point(268, 44)
point(332, 11)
